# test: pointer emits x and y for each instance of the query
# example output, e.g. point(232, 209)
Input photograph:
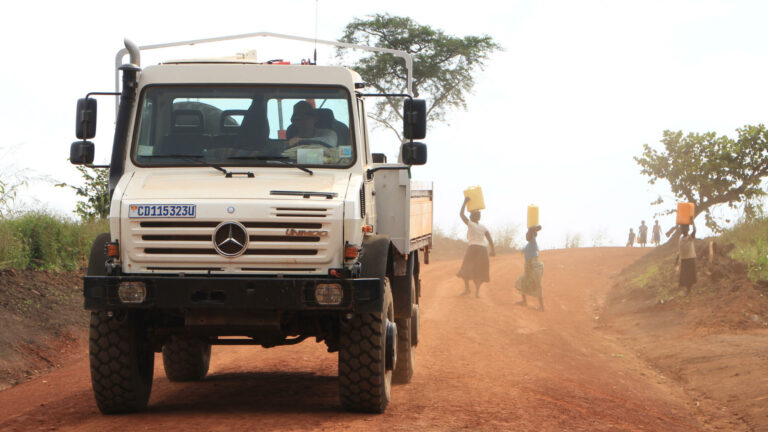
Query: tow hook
point(391, 346)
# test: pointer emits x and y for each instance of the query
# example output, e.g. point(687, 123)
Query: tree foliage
point(443, 65)
point(709, 170)
point(94, 191)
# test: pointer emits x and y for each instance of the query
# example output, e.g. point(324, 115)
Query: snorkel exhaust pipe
point(125, 107)
point(133, 52)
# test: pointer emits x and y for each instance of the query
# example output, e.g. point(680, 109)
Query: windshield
point(242, 126)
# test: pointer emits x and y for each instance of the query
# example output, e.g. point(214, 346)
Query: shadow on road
point(249, 392)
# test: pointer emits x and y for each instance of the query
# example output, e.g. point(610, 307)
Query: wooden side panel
point(421, 216)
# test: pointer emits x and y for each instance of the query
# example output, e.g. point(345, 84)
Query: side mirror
point(81, 153)
point(414, 118)
point(379, 157)
point(85, 127)
point(413, 153)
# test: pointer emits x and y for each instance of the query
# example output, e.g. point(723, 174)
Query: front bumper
point(243, 293)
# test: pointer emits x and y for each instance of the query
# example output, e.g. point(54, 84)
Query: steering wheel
point(309, 141)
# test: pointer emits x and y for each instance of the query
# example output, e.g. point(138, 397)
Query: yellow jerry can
point(475, 195)
point(533, 215)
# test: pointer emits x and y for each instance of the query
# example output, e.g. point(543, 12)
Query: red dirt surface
point(482, 364)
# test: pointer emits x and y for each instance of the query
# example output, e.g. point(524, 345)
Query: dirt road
point(482, 364)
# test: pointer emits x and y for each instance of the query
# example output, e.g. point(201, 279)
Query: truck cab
point(247, 209)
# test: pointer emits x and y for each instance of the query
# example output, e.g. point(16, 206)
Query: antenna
point(317, 2)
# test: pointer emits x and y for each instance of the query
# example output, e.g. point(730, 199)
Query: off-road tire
point(364, 381)
point(415, 326)
point(186, 358)
point(406, 352)
point(122, 364)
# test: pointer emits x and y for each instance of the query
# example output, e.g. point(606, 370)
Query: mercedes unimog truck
point(248, 209)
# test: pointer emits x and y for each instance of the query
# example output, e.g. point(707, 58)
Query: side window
point(146, 144)
point(363, 129)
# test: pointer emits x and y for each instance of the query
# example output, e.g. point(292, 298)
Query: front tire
point(365, 377)
point(186, 359)
point(122, 364)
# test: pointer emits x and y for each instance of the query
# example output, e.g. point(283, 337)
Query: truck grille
point(274, 246)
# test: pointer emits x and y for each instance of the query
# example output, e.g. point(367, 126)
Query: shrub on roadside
point(45, 241)
point(13, 251)
point(750, 240)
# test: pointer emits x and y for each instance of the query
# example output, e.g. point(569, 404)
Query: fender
point(374, 256)
point(404, 290)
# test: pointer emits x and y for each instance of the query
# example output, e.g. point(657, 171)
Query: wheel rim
point(391, 346)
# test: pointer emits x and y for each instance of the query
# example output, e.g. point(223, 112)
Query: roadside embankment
point(714, 341)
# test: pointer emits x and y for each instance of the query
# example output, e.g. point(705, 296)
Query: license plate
point(162, 211)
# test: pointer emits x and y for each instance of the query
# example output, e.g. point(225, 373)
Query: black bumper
point(245, 293)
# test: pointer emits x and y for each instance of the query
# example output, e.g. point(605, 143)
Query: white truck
point(233, 224)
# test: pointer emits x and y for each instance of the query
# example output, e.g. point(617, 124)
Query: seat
point(253, 134)
point(187, 136)
point(326, 120)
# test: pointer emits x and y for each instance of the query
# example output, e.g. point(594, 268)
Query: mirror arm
point(405, 95)
point(370, 171)
point(88, 96)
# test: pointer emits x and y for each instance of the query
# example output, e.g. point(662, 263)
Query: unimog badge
point(292, 232)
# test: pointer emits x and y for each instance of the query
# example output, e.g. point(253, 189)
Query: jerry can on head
point(685, 212)
point(475, 195)
point(533, 215)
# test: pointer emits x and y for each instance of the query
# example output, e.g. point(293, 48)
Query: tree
point(95, 192)
point(443, 65)
point(708, 170)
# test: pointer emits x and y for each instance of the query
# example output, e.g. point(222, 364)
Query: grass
point(750, 240)
point(658, 278)
point(45, 241)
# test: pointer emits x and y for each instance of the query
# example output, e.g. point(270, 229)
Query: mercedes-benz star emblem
point(230, 239)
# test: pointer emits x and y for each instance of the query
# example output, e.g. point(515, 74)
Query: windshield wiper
point(280, 159)
point(198, 159)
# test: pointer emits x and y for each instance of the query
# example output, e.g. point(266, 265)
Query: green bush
point(45, 241)
point(751, 246)
point(13, 250)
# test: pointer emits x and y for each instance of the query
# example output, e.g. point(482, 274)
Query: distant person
point(475, 266)
point(685, 261)
point(656, 233)
point(529, 283)
point(631, 239)
point(642, 234)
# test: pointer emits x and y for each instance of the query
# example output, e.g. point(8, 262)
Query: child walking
point(529, 283)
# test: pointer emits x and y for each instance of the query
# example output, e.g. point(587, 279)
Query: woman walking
point(529, 283)
point(475, 266)
point(656, 233)
point(686, 258)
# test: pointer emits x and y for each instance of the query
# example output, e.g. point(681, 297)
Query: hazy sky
point(554, 119)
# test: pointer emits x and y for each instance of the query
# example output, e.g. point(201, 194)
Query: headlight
point(132, 292)
point(329, 294)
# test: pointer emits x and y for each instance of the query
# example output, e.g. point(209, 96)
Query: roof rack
point(135, 58)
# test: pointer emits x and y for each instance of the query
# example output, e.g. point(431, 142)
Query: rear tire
point(365, 381)
point(406, 352)
point(122, 364)
point(415, 325)
point(186, 359)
